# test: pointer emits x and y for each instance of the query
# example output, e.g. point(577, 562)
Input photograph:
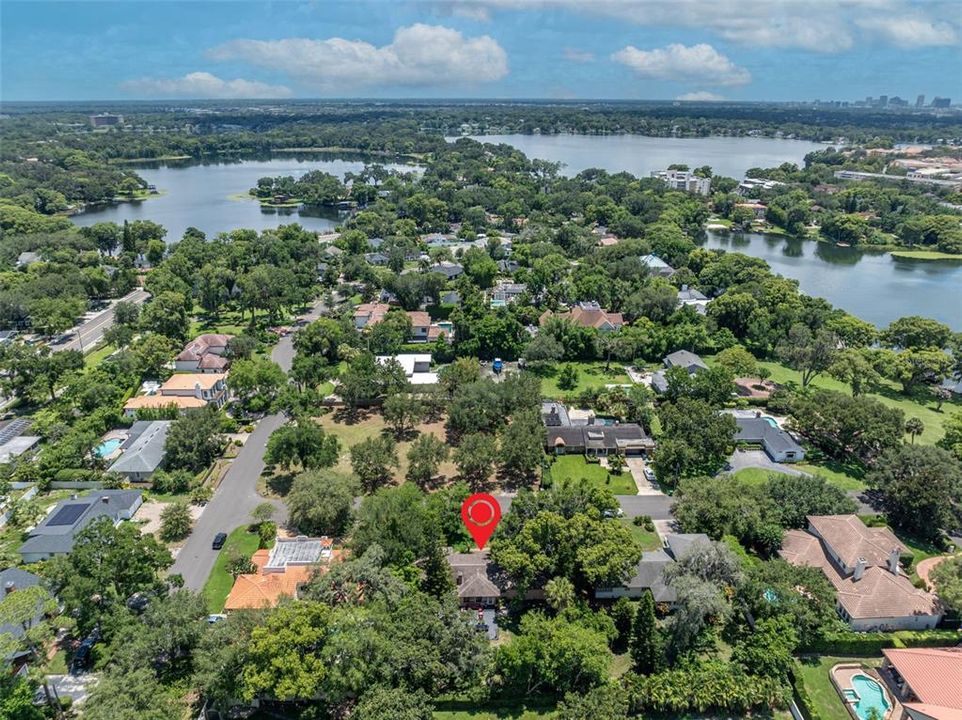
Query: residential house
point(749, 186)
point(423, 330)
point(508, 267)
point(376, 258)
point(758, 209)
point(480, 583)
point(598, 440)
point(778, 444)
point(279, 572)
point(367, 314)
point(649, 573)
point(375, 243)
point(928, 681)
point(505, 293)
point(204, 354)
point(13, 441)
point(863, 564)
point(417, 367)
point(184, 391)
point(450, 270)
point(452, 297)
point(143, 451)
point(689, 296)
point(7, 337)
point(332, 251)
point(554, 414)
point(657, 266)
point(56, 533)
point(590, 315)
point(685, 180)
point(680, 358)
point(14, 580)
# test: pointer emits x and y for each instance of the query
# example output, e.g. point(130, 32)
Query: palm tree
point(914, 426)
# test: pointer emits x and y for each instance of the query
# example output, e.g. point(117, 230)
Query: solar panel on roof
point(68, 514)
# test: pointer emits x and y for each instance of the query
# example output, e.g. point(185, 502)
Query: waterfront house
point(863, 564)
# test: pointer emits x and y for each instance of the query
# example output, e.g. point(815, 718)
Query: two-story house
point(204, 354)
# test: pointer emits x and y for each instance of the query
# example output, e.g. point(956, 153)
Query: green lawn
point(814, 674)
point(925, 255)
point(839, 475)
point(535, 709)
point(590, 375)
point(577, 466)
point(754, 476)
point(57, 664)
point(648, 540)
point(97, 356)
point(889, 396)
point(220, 582)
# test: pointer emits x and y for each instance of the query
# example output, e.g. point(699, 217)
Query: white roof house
point(417, 367)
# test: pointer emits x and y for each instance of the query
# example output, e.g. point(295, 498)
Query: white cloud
point(910, 31)
point(205, 85)
point(418, 55)
point(575, 55)
point(698, 63)
point(700, 96)
point(825, 26)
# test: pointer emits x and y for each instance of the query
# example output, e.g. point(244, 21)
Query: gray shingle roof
point(143, 451)
point(685, 359)
point(759, 430)
point(53, 536)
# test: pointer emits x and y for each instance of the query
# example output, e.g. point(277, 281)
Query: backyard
point(590, 375)
point(646, 539)
point(573, 467)
point(813, 673)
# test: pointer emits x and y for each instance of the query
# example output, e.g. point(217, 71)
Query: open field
point(590, 375)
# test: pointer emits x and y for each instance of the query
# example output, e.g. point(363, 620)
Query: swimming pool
point(770, 421)
point(865, 695)
point(108, 446)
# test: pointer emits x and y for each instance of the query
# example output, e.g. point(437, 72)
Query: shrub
point(201, 494)
point(175, 522)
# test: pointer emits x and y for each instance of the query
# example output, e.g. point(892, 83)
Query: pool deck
point(118, 434)
point(842, 675)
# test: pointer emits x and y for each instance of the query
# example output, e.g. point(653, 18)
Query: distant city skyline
point(737, 50)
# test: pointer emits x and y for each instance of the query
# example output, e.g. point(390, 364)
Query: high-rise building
point(883, 100)
point(941, 102)
point(106, 120)
point(920, 101)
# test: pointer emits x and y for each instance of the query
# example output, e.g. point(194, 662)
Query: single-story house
point(777, 443)
point(695, 298)
point(143, 451)
point(508, 267)
point(450, 270)
point(680, 358)
point(598, 440)
point(589, 315)
point(650, 572)
point(376, 258)
point(279, 572)
point(554, 414)
point(928, 681)
point(14, 580)
point(417, 367)
point(204, 354)
point(56, 533)
point(480, 583)
point(657, 266)
point(863, 564)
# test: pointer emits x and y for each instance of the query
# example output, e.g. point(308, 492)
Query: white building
point(417, 367)
point(684, 180)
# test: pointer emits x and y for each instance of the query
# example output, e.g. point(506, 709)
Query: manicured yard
point(513, 710)
point(577, 466)
point(890, 396)
point(97, 356)
point(754, 476)
point(836, 473)
point(647, 539)
point(220, 582)
point(590, 375)
point(815, 676)
point(925, 255)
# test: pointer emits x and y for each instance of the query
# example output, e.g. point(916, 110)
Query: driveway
point(76, 687)
point(657, 507)
point(90, 332)
point(636, 466)
point(742, 459)
point(236, 496)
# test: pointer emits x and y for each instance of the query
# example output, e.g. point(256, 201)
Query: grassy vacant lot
point(646, 539)
point(814, 675)
point(220, 582)
point(351, 432)
point(890, 396)
point(830, 471)
point(590, 375)
point(576, 466)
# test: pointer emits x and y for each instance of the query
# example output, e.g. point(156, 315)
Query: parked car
point(219, 540)
point(618, 512)
point(216, 618)
point(650, 475)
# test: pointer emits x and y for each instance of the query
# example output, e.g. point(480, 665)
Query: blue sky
point(632, 49)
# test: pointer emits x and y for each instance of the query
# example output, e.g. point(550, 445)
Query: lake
point(640, 154)
point(198, 195)
point(874, 286)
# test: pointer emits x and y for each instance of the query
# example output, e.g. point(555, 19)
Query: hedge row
point(802, 698)
point(853, 643)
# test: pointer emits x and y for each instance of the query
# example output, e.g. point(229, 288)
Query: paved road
point(237, 495)
point(86, 335)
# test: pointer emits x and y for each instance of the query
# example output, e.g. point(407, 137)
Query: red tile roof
point(934, 674)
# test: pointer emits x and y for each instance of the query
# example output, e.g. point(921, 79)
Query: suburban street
point(236, 496)
point(86, 335)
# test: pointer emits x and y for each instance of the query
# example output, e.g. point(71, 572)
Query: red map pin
point(481, 514)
